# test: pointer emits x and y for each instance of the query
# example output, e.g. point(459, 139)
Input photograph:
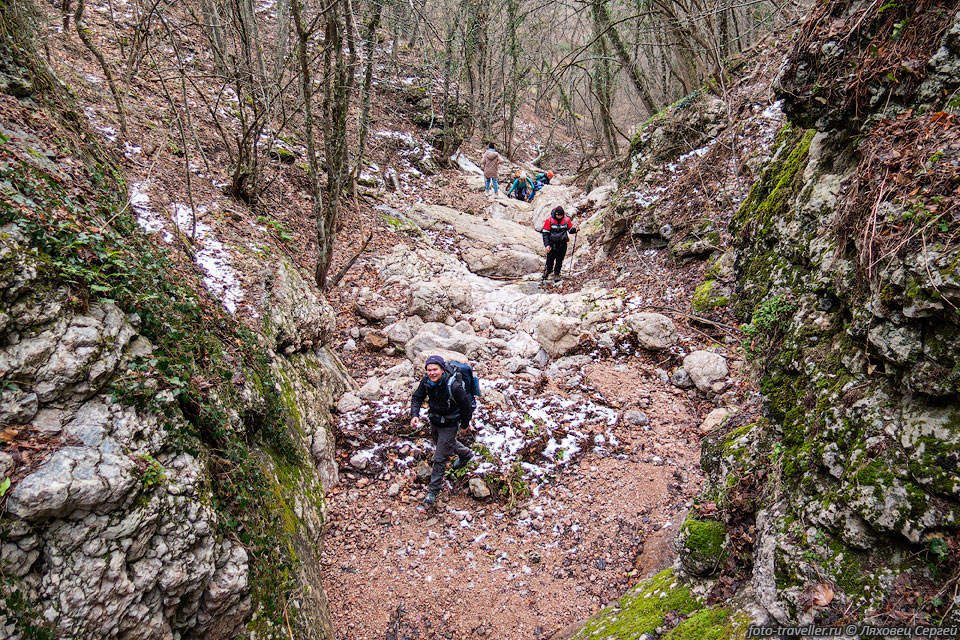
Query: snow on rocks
point(466, 164)
point(221, 280)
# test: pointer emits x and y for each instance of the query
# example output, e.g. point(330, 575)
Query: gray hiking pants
point(445, 439)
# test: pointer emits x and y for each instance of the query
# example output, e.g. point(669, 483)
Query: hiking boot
point(431, 499)
point(546, 274)
point(461, 462)
point(556, 276)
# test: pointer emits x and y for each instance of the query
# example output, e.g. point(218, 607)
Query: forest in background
point(247, 82)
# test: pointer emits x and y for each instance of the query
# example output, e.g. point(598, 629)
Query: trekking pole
point(573, 252)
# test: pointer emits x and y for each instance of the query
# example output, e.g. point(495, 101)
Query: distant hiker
point(490, 163)
point(555, 229)
point(522, 187)
point(451, 407)
point(545, 178)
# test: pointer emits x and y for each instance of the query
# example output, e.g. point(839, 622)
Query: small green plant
point(277, 227)
point(153, 474)
point(776, 452)
point(767, 325)
point(898, 29)
point(937, 550)
point(893, 4)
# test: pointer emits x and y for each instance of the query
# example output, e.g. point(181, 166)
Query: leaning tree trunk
point(602, 15)
point(84, 34)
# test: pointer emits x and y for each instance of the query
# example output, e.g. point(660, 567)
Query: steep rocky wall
point(847, 272)
point(839, 504)
point(163, 467)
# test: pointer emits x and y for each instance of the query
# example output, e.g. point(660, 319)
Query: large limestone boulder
point(601, 195)
point(434, 301)
point(434, 336)
point(504, 208)
point(558, 334)
point(511, 307)
point(491, 247)
point(653, 331)
point(523, 345)
point(402, 331)
point(296, 316)
point(707, 370)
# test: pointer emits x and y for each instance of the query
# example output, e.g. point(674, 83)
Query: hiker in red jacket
point(555, 230)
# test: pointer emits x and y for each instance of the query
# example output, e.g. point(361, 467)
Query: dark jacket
point(445, 407)
point(555, 232)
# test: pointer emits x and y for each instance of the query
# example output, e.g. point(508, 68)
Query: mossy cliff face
point(855, 348)
point(166, 465)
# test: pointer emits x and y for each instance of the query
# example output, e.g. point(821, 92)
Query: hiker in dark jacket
point(451, 409)
point(555, 230)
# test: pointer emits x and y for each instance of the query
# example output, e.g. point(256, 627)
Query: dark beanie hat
point(558, 210)
point(434, 360)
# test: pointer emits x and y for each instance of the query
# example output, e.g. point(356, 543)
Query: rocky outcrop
point(113, 534)
point(492, 247)
point(435, 301)
point(855, 338)
point(847, 490)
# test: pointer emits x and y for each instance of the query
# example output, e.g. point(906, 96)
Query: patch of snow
point(775, 110)
point(221, 280)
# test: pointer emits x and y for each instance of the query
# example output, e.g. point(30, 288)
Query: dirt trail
point(476, 569)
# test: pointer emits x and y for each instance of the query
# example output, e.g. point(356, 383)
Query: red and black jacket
point(555, 232)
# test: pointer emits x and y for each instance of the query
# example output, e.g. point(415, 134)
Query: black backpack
point(463, 372)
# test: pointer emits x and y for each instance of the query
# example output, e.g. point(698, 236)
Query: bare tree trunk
point(306, 80)
point(282, 39)
point(369, 42)
point(602, 87)
point(338, 82)
point(513, 88)
point(602, 15)
point(213, 26)
point(84, 34)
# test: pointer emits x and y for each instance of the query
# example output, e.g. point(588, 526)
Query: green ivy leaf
point(4, 487)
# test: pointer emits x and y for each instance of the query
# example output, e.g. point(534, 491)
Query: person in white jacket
point(490, 163)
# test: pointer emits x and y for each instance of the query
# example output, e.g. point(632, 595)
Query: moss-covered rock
point(642, 609)
point(712, 623)
point(708, 296)
point(700, 544)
